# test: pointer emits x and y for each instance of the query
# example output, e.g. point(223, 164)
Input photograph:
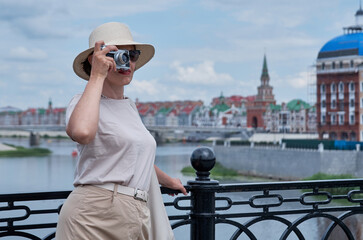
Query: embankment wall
point(289, 164)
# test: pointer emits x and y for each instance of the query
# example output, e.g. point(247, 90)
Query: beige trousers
point(94, 213)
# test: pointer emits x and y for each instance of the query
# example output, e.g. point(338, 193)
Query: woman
point(116, 160)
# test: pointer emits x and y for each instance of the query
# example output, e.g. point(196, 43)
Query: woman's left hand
point(169, 182)
point(176, 184)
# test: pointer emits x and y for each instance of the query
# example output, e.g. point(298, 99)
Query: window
point(333, 65)
point(361, 86)
point(333, 88)
point(341, 64)
point(322, 66)
point(361, 119)
point(361, 102)
point(323, 104)
point(351, 119)
point(341, 87)
point(341, 119)
point(351, 87)
point(351, 103)
point(351, 63)
point(323, 119)
point(334, 103)
point(322, 88)
point(341, 106)
point(333, 119)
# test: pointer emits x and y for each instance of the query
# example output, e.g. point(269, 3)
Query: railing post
point(203, 195)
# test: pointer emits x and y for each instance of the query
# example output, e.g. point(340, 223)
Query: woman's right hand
point(83, 123)
point(101, 64)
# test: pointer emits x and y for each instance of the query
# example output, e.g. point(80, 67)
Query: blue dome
point(344, 45)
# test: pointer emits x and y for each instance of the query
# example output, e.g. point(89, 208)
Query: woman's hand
point(83, 123)
point(166, 181)
point(176, 184)
point(101, 64)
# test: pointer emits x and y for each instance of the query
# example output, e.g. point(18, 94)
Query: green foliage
point(218, 171)
point(334, 191)
point(25, 152)
point(324, 176)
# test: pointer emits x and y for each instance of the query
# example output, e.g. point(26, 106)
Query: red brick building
point(340, 85)
point(264, 98)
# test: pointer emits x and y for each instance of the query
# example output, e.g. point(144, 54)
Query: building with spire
point(264, 97)
point(339, 72)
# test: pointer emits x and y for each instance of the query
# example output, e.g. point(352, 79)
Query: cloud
point(144, 87)
point(11, 10)
point(299, 80)
point(25, 54)
point(202, 74)
point(56, 19)
point(270, 13)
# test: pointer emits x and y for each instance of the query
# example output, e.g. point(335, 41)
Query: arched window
point(334, 103)
point(322, 88)
point(341, 87)
point(323, 104)
point(333, 88)
point(351, 103)
point(351, 87)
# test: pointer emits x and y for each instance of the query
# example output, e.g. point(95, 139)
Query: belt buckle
point(137, 197)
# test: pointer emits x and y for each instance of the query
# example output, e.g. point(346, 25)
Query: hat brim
point(147, 53)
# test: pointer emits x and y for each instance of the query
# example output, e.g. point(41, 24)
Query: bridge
point(159, 132)
point(153, 128)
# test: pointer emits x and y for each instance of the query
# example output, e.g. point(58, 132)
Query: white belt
point(133, 192)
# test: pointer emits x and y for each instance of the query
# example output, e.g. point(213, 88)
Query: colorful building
point(33, 116)
point(296, 116)
point(340, 85)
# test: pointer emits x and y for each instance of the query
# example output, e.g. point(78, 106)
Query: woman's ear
point(90, 58)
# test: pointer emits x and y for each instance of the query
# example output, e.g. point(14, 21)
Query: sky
point(203, 47)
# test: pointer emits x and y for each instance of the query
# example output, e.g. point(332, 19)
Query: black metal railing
point(330, 209)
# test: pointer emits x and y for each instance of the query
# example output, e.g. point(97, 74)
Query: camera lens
point(121, 57)
point(124, 58)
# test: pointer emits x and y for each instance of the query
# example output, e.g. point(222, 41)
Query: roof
point(220, 107)
point(164, 110)
point(10, 109)
point(264, 73)
point(297, 104)
point(343, 45)
point(274, 107)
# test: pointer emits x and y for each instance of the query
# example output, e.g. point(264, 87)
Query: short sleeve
point(72, 104)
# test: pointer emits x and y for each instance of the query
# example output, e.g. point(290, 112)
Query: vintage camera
point(121, 58)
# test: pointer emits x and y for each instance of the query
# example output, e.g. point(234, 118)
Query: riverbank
point(4, 147)
point(44, 134)
point(18, 151)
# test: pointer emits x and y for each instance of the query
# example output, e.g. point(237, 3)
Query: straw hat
point(112, 33)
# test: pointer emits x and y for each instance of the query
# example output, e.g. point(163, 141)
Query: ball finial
point(203, 160)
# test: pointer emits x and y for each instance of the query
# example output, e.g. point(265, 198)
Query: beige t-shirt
point(123, 150)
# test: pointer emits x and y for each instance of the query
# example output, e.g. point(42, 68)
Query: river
point(55, 173)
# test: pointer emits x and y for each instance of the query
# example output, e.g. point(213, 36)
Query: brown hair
point(87, 67)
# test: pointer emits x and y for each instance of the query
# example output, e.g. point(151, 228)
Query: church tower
point(264, 97)
point(264, 91)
